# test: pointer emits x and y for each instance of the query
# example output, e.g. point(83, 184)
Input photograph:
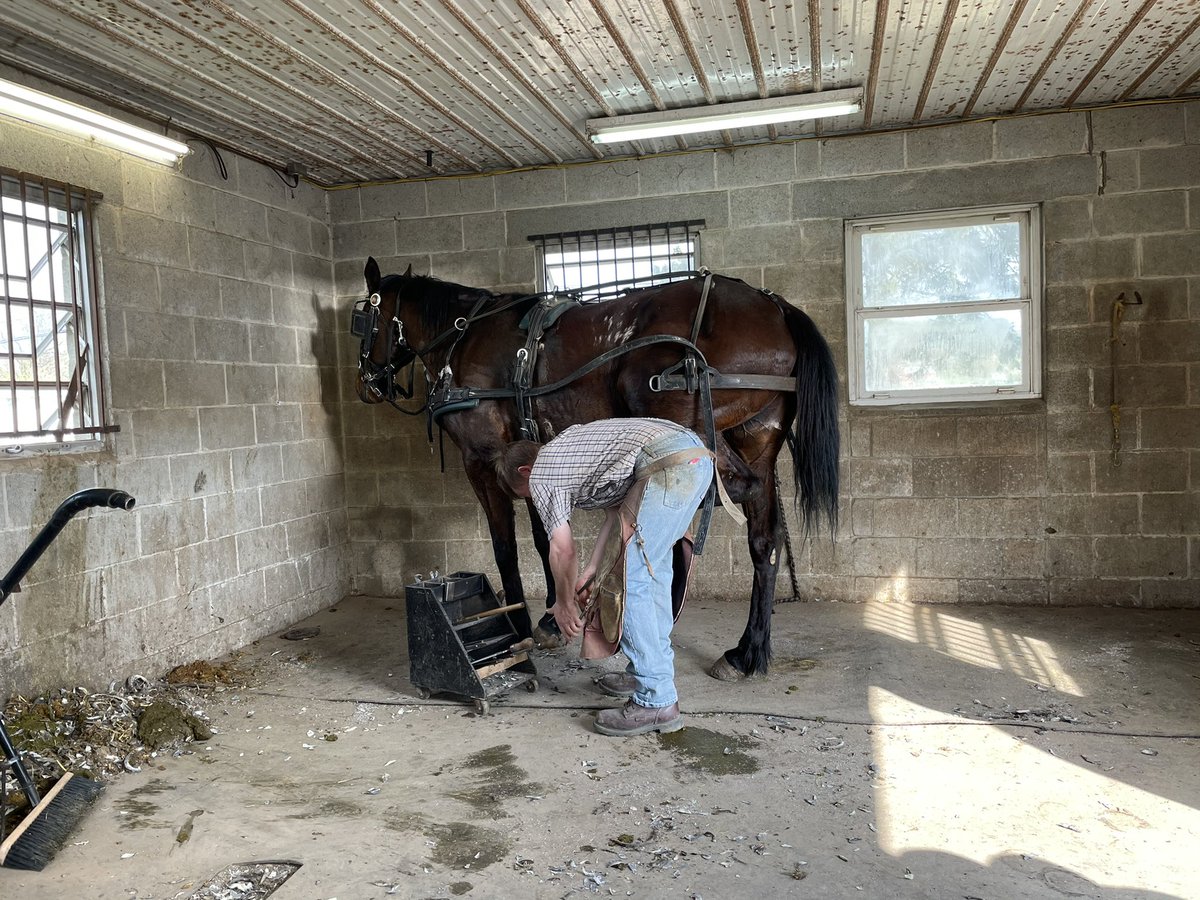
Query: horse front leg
point(752, 655)
point(546, 634)
point(498, 508)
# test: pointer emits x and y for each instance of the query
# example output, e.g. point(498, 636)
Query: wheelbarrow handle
point(76, 503)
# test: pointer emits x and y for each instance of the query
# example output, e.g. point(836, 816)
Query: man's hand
point(566, 614)
point(584, 587)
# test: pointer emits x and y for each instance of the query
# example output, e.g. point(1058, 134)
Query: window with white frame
point(611, 259)
point(945, 307)
point(50, 388)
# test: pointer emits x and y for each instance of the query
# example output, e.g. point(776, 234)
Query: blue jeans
point(671, 499)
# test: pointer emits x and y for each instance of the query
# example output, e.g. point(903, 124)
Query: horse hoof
point(547, 640)
point(723, 670)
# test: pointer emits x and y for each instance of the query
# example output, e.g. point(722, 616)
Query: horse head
point(384, 349)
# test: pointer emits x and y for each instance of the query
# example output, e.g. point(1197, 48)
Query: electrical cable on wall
point(218, 160)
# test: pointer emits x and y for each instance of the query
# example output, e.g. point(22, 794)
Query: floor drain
point(246, 881)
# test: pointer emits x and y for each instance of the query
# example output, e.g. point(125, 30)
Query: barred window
point(50, 381)
point(612, 259)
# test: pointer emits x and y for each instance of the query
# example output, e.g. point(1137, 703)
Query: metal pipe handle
point(74, 504)
point(12, 759)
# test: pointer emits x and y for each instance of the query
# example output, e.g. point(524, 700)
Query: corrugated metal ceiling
point(360, 90)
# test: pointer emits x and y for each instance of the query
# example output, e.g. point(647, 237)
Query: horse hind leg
point(752, 655)
point(740, 481)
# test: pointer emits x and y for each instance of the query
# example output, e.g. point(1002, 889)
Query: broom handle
point(13, 760)
point(77, 502)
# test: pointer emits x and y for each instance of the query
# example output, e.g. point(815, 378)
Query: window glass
point(907, 353)
point(595, 263)
point(944, 307)
point(942, 265)
point(50, 388)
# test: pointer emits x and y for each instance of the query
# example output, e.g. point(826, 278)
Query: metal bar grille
point(50, 389)
point(633, 256)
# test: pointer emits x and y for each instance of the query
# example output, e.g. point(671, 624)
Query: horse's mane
point(443, 301)
point(428, 283)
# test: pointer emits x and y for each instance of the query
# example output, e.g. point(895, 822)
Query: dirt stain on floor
point(483, 781)
point(153, 786)
point(494, 778)
point(335, 808)
point(710, 752)
point(461, 844)
point(456, 845)
point(134, 815)
point(793, 664)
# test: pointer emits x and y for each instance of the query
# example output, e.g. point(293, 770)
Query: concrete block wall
point(222, 361)
point(1012, 502)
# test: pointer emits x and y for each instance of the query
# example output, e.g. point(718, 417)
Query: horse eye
point(374, 299)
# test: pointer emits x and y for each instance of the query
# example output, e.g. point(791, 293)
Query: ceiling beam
point(939, 47)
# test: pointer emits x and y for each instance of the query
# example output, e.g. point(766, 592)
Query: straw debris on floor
point(100, 734)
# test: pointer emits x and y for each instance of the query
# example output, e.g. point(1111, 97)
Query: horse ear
point(371, 274)
point(408, 271)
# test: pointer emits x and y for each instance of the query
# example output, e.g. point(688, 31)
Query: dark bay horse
point(471, 337)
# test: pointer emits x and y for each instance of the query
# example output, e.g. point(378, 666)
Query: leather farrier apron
point(604, 616)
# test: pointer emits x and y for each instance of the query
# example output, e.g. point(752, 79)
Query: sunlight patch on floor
point(996, 797)
point(974, 643)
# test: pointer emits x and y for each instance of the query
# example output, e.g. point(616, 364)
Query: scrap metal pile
point(100, 734)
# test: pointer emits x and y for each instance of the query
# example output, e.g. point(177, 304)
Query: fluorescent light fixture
point(741, 114)
point(33, 106)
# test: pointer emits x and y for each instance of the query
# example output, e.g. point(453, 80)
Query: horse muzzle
point(367, 393)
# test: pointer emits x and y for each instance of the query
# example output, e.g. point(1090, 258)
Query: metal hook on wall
point(1118, 313)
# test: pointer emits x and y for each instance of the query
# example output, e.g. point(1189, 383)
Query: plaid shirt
point(590, 466)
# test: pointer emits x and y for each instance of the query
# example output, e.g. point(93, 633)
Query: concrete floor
point(989, 753)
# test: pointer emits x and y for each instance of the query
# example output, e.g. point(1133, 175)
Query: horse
point(473, 338)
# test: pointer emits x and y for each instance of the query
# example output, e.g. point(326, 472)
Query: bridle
point(381, 380)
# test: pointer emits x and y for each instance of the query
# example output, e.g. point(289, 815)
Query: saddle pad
point(549, 308)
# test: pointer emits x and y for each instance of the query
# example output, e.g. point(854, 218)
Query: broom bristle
point(47, 826)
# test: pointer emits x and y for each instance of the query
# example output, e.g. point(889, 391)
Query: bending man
point(594, 466)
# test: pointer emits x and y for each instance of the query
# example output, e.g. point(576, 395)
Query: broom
point(51, 818)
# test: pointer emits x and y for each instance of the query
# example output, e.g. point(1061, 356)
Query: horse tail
point(814, 439)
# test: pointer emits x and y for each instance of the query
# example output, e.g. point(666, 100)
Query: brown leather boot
point(618, 684)
point(632, 719)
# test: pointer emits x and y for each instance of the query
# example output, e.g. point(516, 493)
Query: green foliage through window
point(944, 306)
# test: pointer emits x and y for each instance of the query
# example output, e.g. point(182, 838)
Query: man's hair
point(509, 458)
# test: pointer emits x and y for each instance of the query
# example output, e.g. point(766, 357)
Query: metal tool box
point(462, 639)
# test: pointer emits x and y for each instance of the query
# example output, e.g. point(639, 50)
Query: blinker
point(361, 322)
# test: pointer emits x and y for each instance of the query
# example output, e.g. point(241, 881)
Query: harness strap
point(700, 308)
point(457, 395)
point(689, 361)
point(474, 316)
point(671, 381)
point(710, 435)
point(526, 366)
